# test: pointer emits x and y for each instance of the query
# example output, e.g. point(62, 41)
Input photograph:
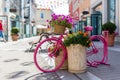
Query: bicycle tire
point(98, 52)
point(40, 58)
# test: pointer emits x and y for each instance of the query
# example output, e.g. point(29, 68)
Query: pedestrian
point(1, 31)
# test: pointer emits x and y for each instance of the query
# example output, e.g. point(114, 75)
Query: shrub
point(109, 26)
point(14, 30)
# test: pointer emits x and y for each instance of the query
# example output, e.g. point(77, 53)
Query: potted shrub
point(76, 44)
point(60, 22)
point(14, 33)
point(110, 27)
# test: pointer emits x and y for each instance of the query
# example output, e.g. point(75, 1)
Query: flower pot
point(111, 38)
point(58, 59)
point(59, 29)
point(15, 37)
point(76, 58)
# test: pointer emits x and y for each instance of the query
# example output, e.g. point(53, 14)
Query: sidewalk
point(21, 44)
point(116, 47)
point(16, 64)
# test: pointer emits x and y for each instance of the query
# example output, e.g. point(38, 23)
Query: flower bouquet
point(60, 22)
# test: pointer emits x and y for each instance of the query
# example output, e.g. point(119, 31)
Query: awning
point(41, 26)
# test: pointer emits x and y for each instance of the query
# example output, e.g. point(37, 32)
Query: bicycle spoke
point(45, 55)
point(96, 53)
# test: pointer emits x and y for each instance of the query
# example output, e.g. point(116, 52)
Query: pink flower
point(61, 20)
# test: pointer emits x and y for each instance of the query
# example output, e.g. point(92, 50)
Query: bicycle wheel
point(98, 52)
point(44, 58)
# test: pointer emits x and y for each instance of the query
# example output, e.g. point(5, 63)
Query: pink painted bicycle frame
point(51, 54)
point(105, 56)
point(58, 47)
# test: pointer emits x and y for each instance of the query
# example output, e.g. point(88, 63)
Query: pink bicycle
point(44, 58)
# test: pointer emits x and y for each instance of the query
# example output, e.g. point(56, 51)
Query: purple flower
point(47, 20)
point(63, 18)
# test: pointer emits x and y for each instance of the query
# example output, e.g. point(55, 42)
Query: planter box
point(76, 58)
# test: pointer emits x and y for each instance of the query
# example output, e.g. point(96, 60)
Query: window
point(112, 10)
point(5, 9)
point(42, 15)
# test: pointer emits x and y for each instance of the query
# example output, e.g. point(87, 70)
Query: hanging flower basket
point(60, 22)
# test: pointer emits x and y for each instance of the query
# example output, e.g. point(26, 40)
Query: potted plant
point(59, 56)
point(14, 33)
point(76, 44)
point(60, 22)
point(110, 27)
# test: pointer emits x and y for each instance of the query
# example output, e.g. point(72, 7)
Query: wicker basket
point(58, 59)
point(59, 29)
point(76, 59)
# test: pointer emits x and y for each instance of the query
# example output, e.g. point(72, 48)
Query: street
point(17, 64)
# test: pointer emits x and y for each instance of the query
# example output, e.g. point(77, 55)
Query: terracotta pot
point(15, 37)
point(111, 38)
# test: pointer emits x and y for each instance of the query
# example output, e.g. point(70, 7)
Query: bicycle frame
point(58, 45)
point(94, 48)
point(95, 51)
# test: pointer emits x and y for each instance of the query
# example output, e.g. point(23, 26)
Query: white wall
point(118, 19)
point(93, 1)
point(104, 11)
point(1, 3)
point(42, 21)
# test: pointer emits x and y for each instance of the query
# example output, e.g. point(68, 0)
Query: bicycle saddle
point(88, 28)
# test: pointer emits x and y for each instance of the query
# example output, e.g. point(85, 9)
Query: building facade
point(4, 16)
point(110, 10)
point(77, 8)
point(28, 18)
point(95, 13)
point(13, 13)
point(42, 15)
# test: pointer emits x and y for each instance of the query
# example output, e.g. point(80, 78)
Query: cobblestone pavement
point(16, 64)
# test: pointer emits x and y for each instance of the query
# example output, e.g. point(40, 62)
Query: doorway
point(96, 22)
